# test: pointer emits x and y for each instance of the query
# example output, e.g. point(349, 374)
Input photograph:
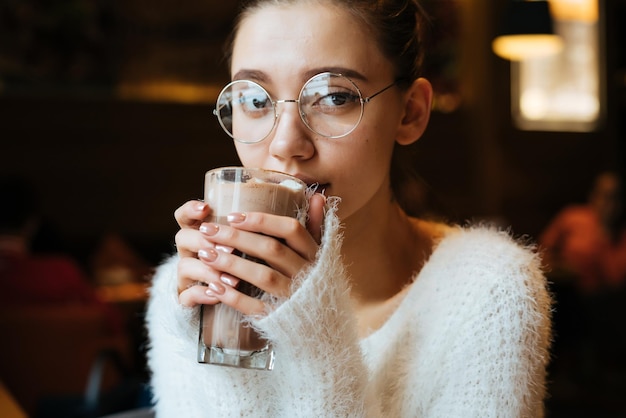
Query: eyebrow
point(260, 76)
point(337, 70)
point(253, 75)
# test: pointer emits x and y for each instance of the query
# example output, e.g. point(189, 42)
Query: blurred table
point(130, 300)
point(132, 292)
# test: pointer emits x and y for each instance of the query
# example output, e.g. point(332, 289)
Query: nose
point(291, 139)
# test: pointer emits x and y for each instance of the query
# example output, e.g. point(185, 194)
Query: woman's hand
point(208, 271)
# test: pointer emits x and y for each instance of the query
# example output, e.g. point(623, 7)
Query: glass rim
point(255, 175)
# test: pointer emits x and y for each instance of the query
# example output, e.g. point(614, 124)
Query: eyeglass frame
point(362, 100)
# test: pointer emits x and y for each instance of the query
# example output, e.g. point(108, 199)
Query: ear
point(417, 107)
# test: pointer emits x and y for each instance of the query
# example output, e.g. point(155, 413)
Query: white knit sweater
point(470, 339)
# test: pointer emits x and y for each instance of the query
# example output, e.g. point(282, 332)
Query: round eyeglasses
point(329, 104)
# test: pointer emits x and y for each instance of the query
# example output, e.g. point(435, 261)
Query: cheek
point(364, 167)
point(377, 140)
point(251, 155)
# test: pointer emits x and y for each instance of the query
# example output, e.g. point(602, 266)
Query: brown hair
point(400, 28)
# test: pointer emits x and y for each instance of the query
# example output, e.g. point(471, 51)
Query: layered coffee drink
point(225, 337)
point(285, 198)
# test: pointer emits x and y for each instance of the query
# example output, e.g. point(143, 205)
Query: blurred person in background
point(585, 248)
point(29, 278)
point(587, 241)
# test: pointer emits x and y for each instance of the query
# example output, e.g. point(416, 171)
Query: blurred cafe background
point(106, 127)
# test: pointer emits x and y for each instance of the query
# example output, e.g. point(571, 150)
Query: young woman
point(375, 313)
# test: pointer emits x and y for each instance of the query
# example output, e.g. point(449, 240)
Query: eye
point(254, 103)
point(338, 99)
point(333, 102)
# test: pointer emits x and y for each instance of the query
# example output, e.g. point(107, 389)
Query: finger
point(269, 249)
point(192, 271)
point(289, 229)
point(247, 305)
point(191, 214)
point(196, 295)
point(316, 216)
point(190, 241)
point(262, 276)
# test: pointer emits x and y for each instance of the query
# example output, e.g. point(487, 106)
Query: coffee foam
point(255, 195)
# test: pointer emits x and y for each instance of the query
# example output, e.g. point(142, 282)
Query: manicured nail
point(208, 254)
point(224, 248)
point(209, 229)
point(210, 294)
point(236, 217)
point(200, 206)
point(216, 288)
point(229, 280)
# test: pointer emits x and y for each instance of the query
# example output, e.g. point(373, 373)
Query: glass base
point(259, 360)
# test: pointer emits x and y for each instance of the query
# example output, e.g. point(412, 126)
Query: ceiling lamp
point(527, 31)
point(577, 10)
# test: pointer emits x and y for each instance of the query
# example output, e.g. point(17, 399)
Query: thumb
point(316, 216)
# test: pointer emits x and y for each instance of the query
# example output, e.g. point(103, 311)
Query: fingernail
point(208, 255)
point(200, 206)
point(216, 288)
point(209, 229)
point(224, 248)
point(229, 280)
point(236, 217)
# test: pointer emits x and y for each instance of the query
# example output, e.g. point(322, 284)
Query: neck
point(382, 248)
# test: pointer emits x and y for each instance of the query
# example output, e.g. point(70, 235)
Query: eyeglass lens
point(329, 104)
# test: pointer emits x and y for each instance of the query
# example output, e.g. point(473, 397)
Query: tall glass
point(225, 337)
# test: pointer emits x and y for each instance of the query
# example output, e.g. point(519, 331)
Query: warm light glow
point(537, 104)
point(518, 47)
point(580, 10)
point(168, 91)
point(561, 92)
point(534, 103)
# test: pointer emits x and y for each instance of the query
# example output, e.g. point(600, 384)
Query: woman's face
point(281, 47)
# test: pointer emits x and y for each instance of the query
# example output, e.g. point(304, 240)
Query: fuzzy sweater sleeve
point(320, 371)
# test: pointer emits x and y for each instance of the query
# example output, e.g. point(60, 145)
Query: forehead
point(296, 39)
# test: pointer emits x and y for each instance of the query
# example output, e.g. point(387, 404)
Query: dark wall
point(105, 166)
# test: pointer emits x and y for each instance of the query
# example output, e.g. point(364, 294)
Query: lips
point(313, 184)
point(319, 187)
